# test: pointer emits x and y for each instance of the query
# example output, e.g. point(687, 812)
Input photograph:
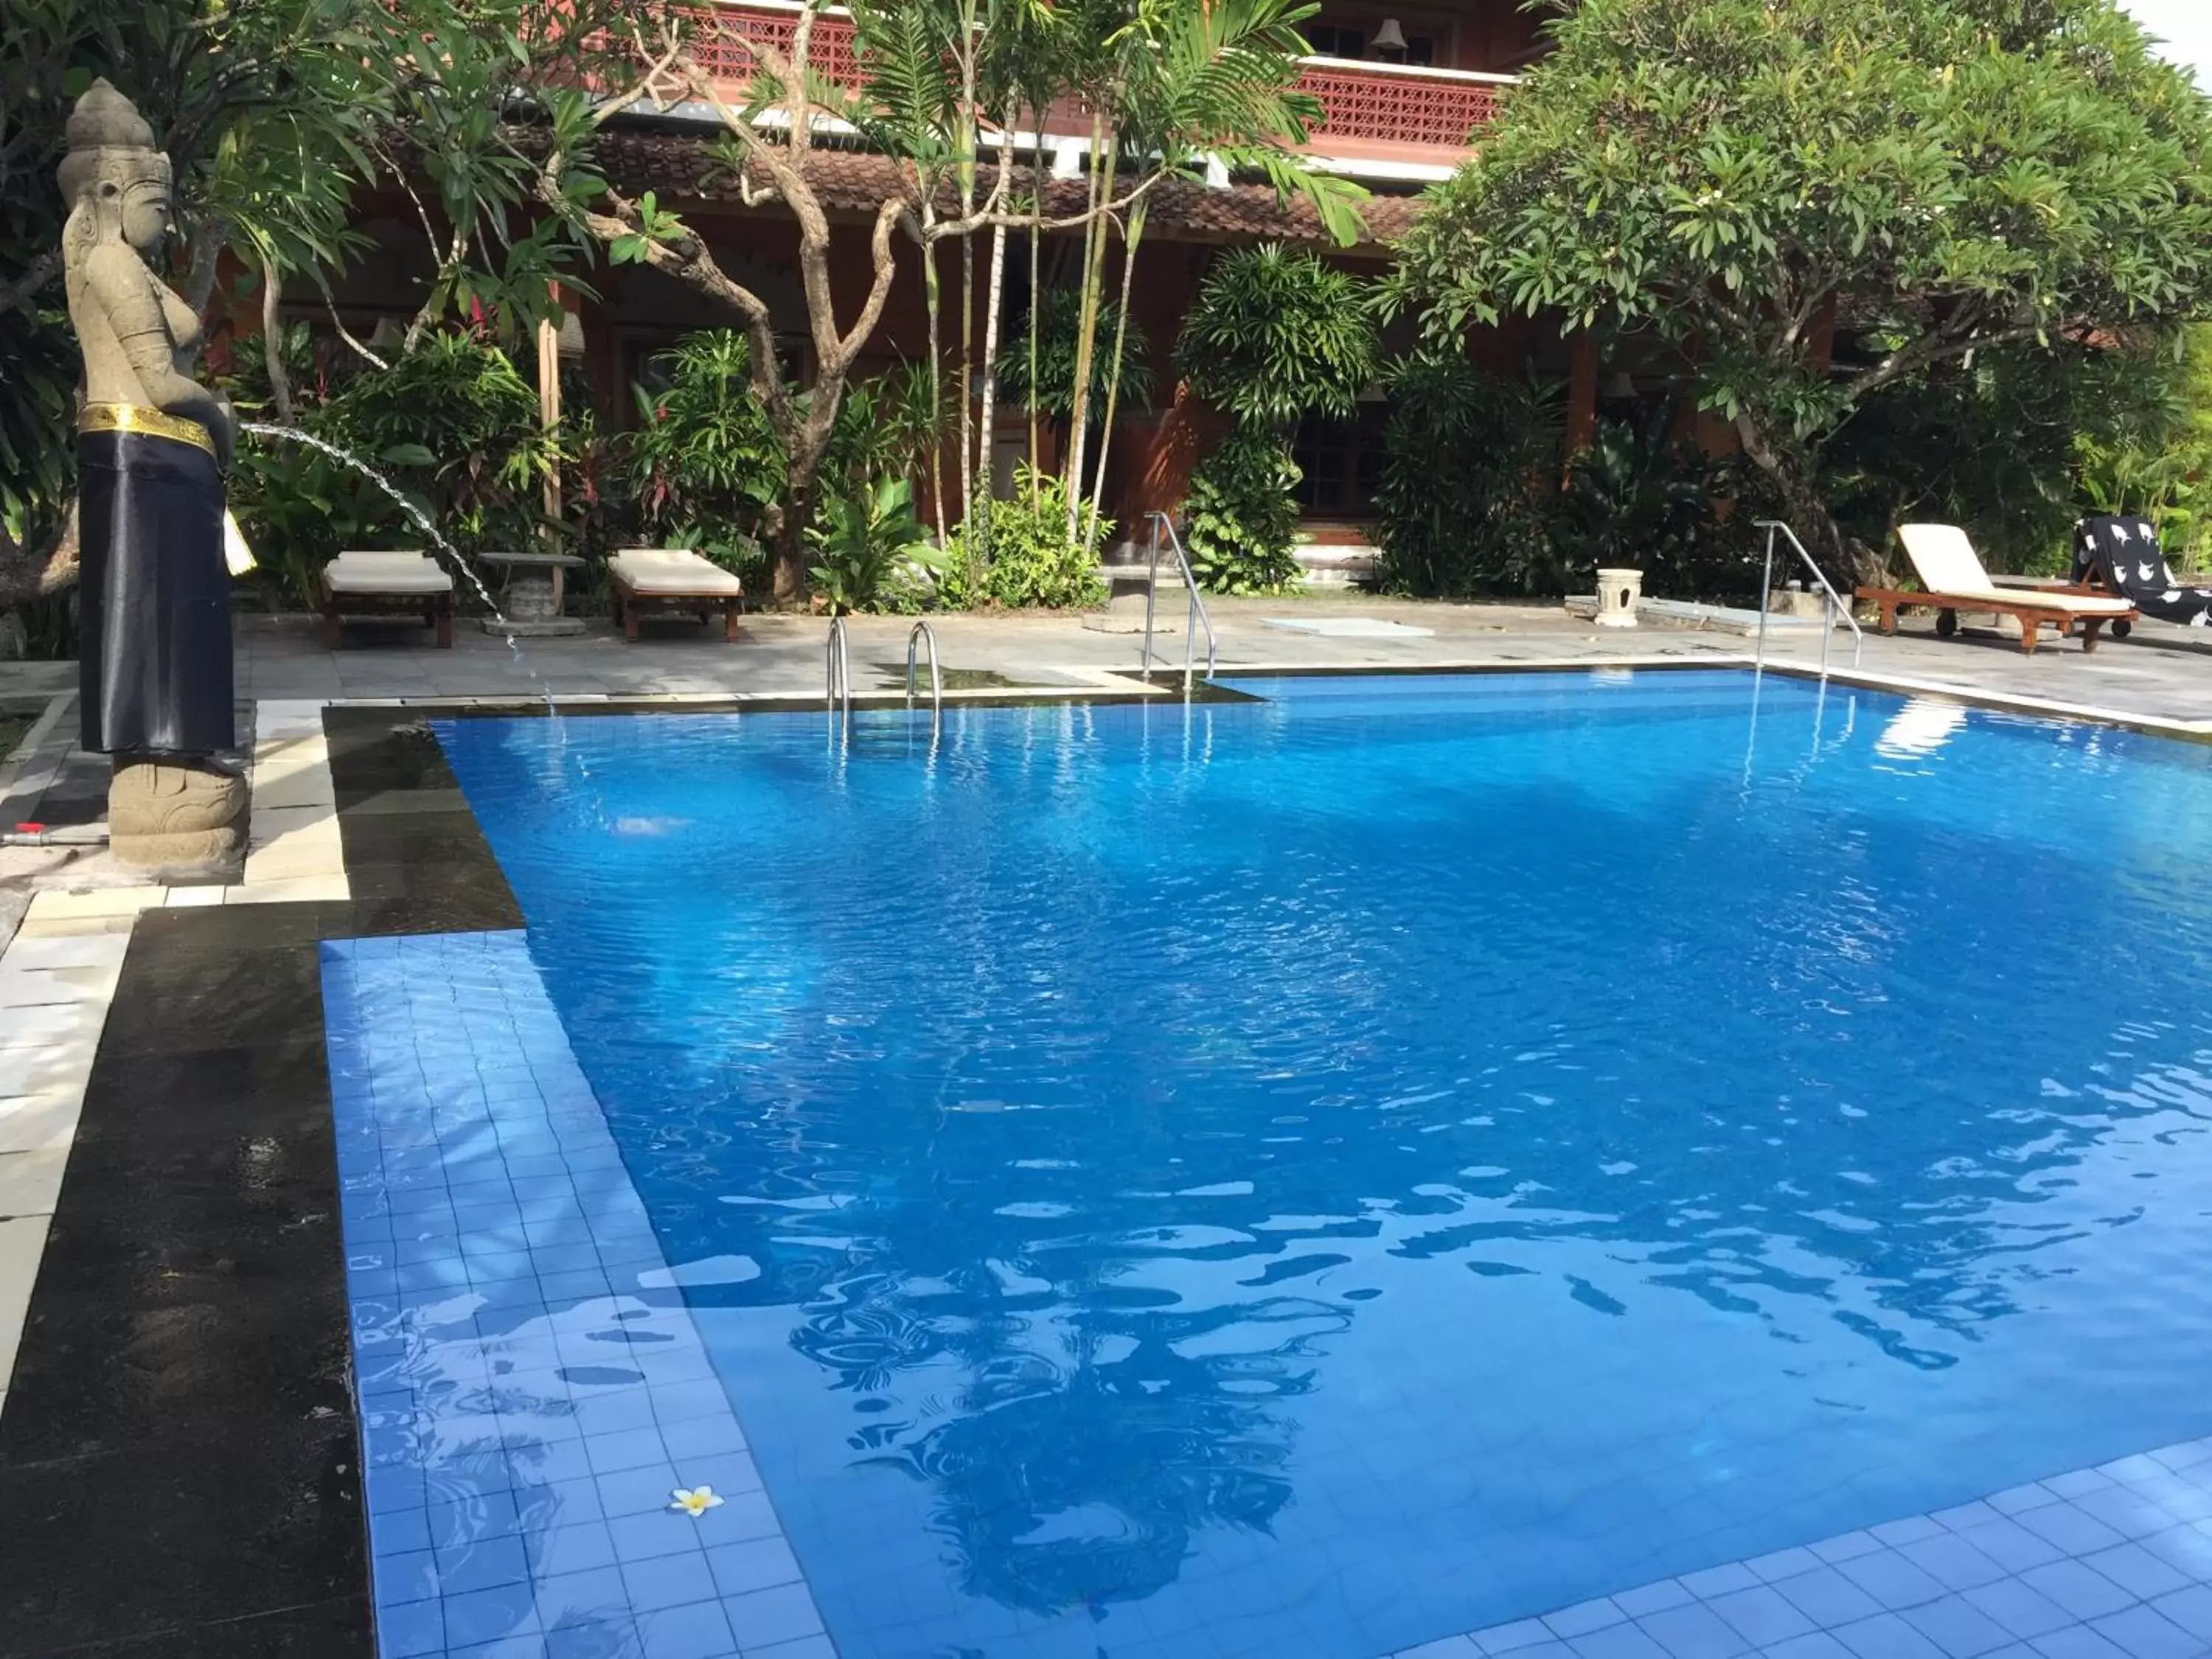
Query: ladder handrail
point(840, 671)
point(920, 632)
point(1834, 600)
point(1197, 617)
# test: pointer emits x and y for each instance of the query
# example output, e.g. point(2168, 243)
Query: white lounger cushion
point(1946, 562)
point(356, 572)
point(671, 570)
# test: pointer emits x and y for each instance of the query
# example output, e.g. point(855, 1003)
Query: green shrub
point(887, 426)
point(1641, 497)
point(452, 424)
point(2015, 443)
point(874, 553)
point(1241, 530)
point(1468, 465)
point(704, 455)
point(1276, 335)
point(2152, 455)
point(1059, 324)
point(1032, 561)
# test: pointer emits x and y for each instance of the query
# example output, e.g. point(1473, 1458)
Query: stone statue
point(152, 446)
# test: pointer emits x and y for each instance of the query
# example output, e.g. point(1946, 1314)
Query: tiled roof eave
point(636, 157)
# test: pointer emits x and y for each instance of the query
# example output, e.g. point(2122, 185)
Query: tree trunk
point(807, 447)
point(970, 127)
point(1036, 274)
point(1845, 560)
point(28, 572)
point(207, 242)
point(995, 289)
point(936, 391)
point(1130, 240)
point(1086, 332)
point(790, 588)
point(967, 364)
point(272, 344)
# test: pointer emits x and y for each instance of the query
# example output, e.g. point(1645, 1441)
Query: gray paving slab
point(2161, 674)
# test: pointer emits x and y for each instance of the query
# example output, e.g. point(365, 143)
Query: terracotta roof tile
point(636, 158)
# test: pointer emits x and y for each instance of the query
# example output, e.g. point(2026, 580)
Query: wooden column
point(1581, 395)
point(549, 397)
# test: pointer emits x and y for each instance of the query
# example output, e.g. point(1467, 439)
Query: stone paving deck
point(2161, 675)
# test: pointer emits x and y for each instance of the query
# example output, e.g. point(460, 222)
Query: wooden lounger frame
point(2095, 588)
point(436, 610)
point(2032, 613)
point(630, 606)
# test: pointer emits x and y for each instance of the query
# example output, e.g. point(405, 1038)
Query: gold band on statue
point(155, 423)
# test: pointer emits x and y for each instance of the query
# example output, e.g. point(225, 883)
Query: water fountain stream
point(422, 520)
point(454, 555)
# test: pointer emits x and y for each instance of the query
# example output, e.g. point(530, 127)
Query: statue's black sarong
point(154, 662)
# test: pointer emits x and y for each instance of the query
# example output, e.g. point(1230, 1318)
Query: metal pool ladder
point(841, 672)
point(1197, 617)
point(920, 634)
point(1834, 601)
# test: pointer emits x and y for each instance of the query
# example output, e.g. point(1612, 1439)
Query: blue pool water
point(1304, 1177)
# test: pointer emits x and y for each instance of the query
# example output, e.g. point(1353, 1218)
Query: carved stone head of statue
point(116, 182)
point(139, 338)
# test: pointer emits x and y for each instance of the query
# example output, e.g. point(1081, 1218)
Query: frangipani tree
point(767, 140)
point(1915, 181)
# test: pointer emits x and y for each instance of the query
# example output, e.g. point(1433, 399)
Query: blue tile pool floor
point(532, 1391)
point(1300, 1179)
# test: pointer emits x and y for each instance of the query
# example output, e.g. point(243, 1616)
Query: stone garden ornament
point(152, 446)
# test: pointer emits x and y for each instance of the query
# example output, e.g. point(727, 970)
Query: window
point(1342, 461)
point(1339, 41)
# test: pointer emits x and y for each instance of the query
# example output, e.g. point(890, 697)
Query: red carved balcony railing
point(725, 57)
point(1369, 103)
point(1395, 106)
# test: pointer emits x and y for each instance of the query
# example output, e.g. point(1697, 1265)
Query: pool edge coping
point(1098, 689)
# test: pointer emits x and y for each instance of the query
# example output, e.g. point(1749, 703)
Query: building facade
point(1405, 90)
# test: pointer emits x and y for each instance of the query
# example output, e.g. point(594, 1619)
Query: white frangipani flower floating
point(695, 1501)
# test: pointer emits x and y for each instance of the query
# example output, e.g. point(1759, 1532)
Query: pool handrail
point(920, 632)
point(1197, 617)
point(1834, 600)
point(841, 672)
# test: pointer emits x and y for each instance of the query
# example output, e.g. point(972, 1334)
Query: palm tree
point(939, 72)
point(1024, 49)
point(1194, 82)
point(909, 107)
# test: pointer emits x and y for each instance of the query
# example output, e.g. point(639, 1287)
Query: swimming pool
point(1310, 1175)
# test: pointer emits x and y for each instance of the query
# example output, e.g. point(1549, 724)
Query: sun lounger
point(366, 584)
point(671, 581)
point(2122, 556)
point(1952, 580)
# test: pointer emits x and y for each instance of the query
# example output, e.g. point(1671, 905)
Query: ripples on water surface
point(1304, 1178)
